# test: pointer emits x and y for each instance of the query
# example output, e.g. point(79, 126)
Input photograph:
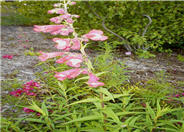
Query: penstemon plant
point(71, 59)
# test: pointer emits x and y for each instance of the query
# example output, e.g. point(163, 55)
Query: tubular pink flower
point(75, 61)
point(93, 81)
point(45, 56)
point(27, 110)
point(66, 44)
point(72, 73)
point(76, 16)
point(66, 16)
point(57, 11)
point(56, 20)
point(69, 20)
point(85, 71)
point(69, 74)
point(66, 31)
point(72, 60)
point(59, 19)
point(48, 28)
point(72, 3)
point(63, 44)
point(63, 60)
point(57, 5)
point(54, 29)
point(96, 35)
point(76, 44)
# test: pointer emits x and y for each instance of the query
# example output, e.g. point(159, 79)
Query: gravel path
point(17, 41)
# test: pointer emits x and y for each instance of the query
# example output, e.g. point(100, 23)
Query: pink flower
point(65, 31)
point(93, 81)
point(45, 56)
point(16, 93)
point(31, 94)
point(76, 16)
point(38, 114)
point(72, 60)
point(66, 16)
point(54, 29)
point(76, 44)
point(27, 110)
point(84, 71)
point(56, 20)
point(59, 19)
point(57, 5)
point(75, 61)
point(7, 56)
point(32, 84)
point(63, 44)
point(96, 35)
point(72, 3)
point(128, 53)
point(69, 20)
point(182, 94)
point(177, 95)
point(28, 89)
point(57, 11)
point(69, 74)
point(48, 28)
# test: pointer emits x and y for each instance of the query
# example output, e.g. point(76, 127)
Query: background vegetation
point(126, 19)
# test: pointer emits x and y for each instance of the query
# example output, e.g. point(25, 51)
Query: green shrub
point(123, 18)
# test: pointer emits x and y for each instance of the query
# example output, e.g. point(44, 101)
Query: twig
point(146, 28)
point(127, 46)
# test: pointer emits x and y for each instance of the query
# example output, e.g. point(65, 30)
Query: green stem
point(102, 105)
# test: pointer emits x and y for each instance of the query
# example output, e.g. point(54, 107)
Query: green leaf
point(115, 96)
point(132, 122)
point(87, 118)
point(44, 108)
point(34, 120)
point(36, 108)
point(110, 113)
point(106, 92)
point(150, 111)
point(89, 100)
point(87, 77)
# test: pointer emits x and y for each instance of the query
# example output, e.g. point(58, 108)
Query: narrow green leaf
point(89, 100)
point(34, 120)
point(110, 113)
point(132, 122)
point(87, 118)
point(150, 111)
point(106, 92)
point(44, 108)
